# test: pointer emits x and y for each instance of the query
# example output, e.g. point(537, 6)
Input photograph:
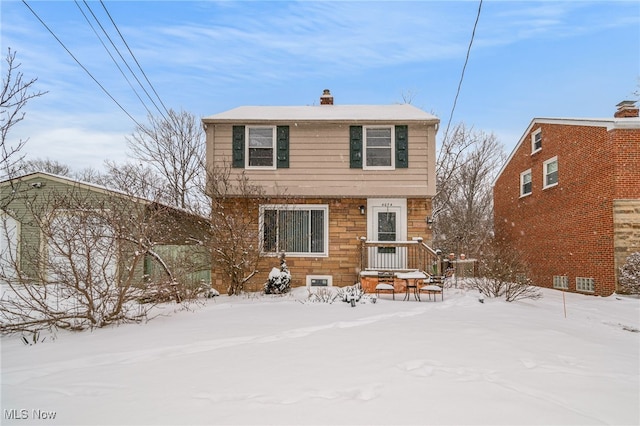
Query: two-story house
point(568, 198)
point(353, 175)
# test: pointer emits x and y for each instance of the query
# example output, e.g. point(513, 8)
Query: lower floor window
point(561, 281)
point(585, 284)
point(295, 229)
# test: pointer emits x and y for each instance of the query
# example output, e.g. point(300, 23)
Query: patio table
point(411, 280)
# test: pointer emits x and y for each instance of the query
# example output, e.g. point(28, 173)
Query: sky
point(565, 359)
point(527, 60)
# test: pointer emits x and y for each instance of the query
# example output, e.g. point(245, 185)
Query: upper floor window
point(536, 141)
point(383, 147)
point(550, 170)
point(379, 148)
point(300, 230)
point(261, 148)
point(525, 183)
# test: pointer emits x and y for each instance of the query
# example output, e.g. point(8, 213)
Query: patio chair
point(435, 286)
point(385, 283)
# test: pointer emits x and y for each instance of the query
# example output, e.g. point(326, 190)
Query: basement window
point(561, 282)
point(587, 285)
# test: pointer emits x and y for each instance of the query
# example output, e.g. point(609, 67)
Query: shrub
point(629, 278)
point(503, 273)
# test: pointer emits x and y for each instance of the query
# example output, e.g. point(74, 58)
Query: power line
point(80, 64)
point(455, 100)
point(109, 52)
point(134, 58)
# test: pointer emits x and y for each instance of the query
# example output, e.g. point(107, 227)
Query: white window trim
point(544, 173)
point(329, 279)
point(522, 175)
point(325, 207)
point(533, 141)
point(561, 282)
point(393, 148)
point(582, 282)
point(274, 146)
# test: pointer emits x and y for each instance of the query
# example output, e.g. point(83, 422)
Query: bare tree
point(502, 272)
point(174, 147)
point(16, 92)
point(235, 227)
point(46, 165)
point(463, 203)
point(88, 269)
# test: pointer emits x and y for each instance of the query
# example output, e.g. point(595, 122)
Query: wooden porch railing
point(399, 256)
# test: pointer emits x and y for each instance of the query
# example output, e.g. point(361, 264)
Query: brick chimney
point(626, 109)
point(326, 98)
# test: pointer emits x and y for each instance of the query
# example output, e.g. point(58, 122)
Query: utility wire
point(109, 53)
point(455, 100)
point(79, 63)
point(134, 58)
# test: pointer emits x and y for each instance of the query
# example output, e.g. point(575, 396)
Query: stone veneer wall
point(626, 230)
point(346, 226)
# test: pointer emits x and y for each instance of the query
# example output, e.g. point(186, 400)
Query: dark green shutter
point(402, 147)
point(283, 147)
point(355, 147)
point(237, 146)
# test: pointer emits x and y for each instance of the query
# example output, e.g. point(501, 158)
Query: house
point(356, 177)
point(48, 222)
point(568, 198)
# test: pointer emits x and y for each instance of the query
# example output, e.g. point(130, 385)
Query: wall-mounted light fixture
point(362, 211)
point(429, 220)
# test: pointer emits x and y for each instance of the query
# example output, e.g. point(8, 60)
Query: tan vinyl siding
point(319, 162)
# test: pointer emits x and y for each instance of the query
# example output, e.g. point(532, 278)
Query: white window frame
point(365, 147)
point(298, 207)
point(561, 282)
point(248, 147)
point(585, 285)
point(536, 137)
point(522, 183)
point(329, 279)
point(545, 173)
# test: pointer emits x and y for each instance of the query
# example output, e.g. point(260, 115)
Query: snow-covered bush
point(503, 273)
point(352, 292)
point(322, 295)
point(629, 278)
point(279, 281)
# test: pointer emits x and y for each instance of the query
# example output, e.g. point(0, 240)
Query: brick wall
point(566, 229)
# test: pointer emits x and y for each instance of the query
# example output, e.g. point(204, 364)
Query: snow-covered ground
point(274, 360)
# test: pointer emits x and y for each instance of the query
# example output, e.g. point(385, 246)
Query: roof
point(611, 123)
point(92, 187)
point(393, 112)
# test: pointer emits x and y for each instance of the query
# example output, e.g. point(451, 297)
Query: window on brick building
point(561, 282)
point(550, 168)
point(525, 183)
point(297, 230)
point(587, 285)
point(536, 141)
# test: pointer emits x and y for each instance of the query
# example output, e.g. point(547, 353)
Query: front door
point(387, 220)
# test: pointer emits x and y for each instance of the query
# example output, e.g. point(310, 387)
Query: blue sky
point(529, 59)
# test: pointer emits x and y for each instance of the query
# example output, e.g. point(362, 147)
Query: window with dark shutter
point(237, 146)
point(402, 147)
point(355, 147)
point(283, 147)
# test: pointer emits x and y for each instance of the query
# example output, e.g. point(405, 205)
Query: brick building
point(568, 198)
